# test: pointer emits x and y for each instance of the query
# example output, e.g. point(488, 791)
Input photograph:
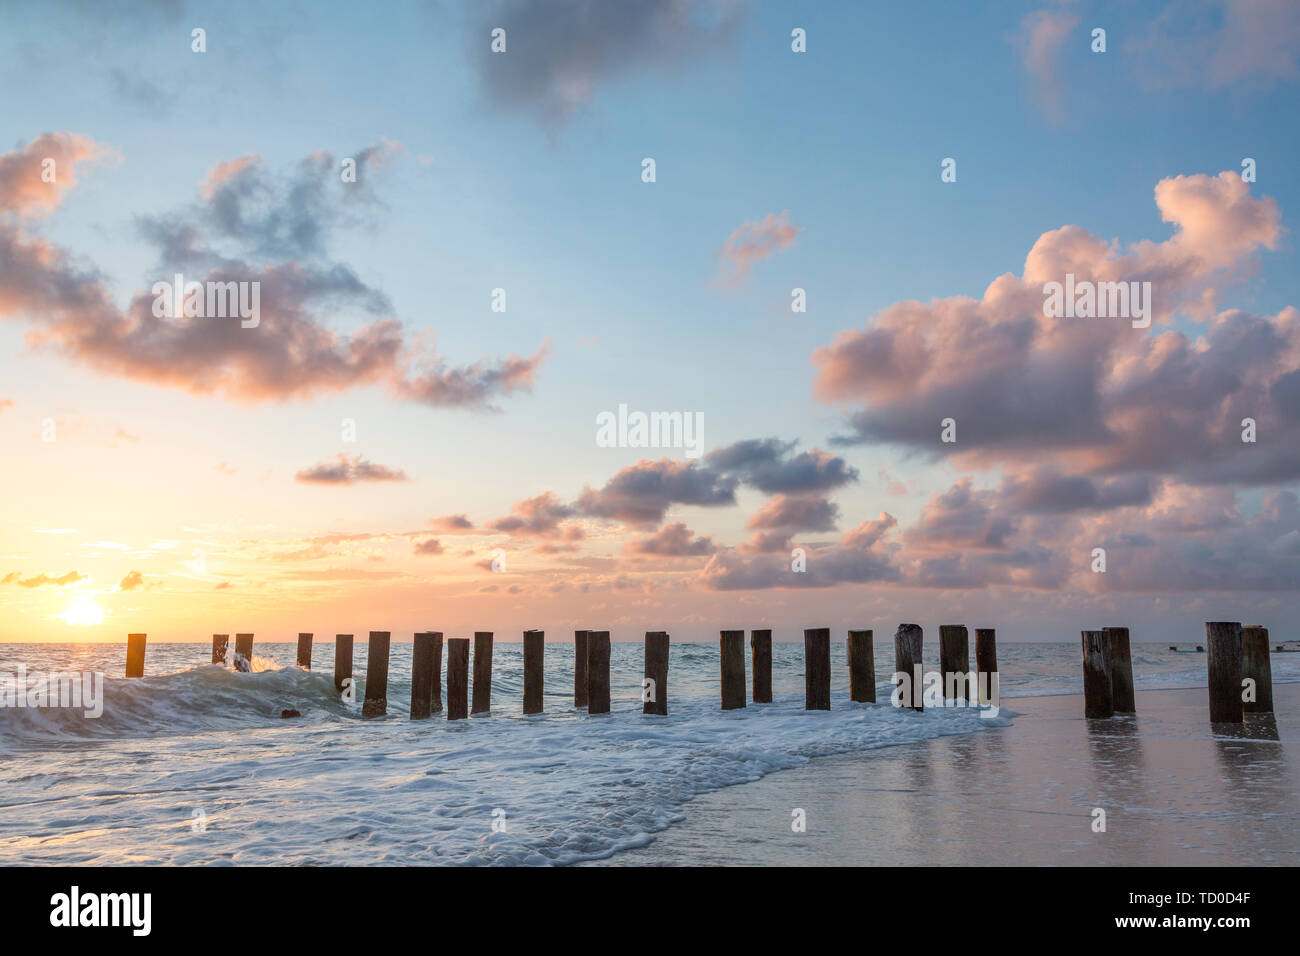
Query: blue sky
point(620, 276)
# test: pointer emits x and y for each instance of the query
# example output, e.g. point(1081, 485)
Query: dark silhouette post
point(862, 667)
point(760, 650)
point(1223, 640)
point(534, 658)
point(907, 665)
point(731, 647)
point(376, 702)
point(817, 668)
point(655, 690)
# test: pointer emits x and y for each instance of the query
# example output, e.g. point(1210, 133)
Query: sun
point(83, 612)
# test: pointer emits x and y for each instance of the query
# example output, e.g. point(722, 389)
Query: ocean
point(193, 763)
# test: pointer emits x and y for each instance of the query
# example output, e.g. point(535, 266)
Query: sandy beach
point(1174, 793)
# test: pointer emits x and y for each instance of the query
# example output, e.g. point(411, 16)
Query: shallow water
point(192, 764)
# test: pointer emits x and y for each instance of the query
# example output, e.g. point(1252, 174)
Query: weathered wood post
point(220, 642)
point(598, 672)
point(1223, 640)
point(1121, 670)
point(986, 665)
point(422, 674)
point(731, 648)
point(817, 668)
point(482, 694)
point(1256, 665)
point(656, 673)
point(954, 662)
point(760, 650)
point(580, 668)
point(862, 667)
point(1097, 699)
point(376, 702)
point(457, 678)
point(342, 660)
point(135, 654)
point(534, 658)
point(244, 652)
point(907, 665)
point(304, 651)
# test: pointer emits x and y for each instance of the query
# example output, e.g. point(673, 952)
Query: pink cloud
point(754, 241)
point(23, 189)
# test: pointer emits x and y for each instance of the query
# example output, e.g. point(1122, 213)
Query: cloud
point(560, 52)
point(43, 580)
point(435, 384)
point(641, 494)
point(859, 557)
point(344, 470)
point(23, 190)
point(137, 91)
point(428, 546)
point(1091, 396)
point(539, 517)
point(132, 581)
point(673, 540)
point(766, 464)
point(452, 524)
point(245, 218)
point(1042, 35)
point(1216, 44)
point(753, 242)
point(783, 516)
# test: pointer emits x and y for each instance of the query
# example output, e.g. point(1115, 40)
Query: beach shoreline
point(1174, 792)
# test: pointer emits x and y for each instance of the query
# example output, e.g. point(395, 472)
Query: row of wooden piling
point(1235, 655)
point(591, 686)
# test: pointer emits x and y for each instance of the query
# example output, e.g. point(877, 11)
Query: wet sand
point(1175, 792)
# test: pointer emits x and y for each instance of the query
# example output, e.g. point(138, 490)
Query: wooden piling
point(1223, 640)
point(220, 643)
point(422, 674)
point(135, 654)
point(862, 667)
point(243, 652)
point(656, 672)
point(580, 668)
point(342, 660)
point(760, 651)
point(907, 665)
point(986, 665)
point(954, 662)
point(304, 651)
point(1256, 665)
point(534, 658)
point(817, 668)
point(457, 678)
point(1121, 671)
point(482, 694)
point(598, 672)
point(731, 654)
point(376, 702)
point(1098, 701)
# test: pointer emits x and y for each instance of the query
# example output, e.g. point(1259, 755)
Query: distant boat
point(1288, 647)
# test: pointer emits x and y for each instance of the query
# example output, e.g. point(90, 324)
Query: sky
point(407, 439)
